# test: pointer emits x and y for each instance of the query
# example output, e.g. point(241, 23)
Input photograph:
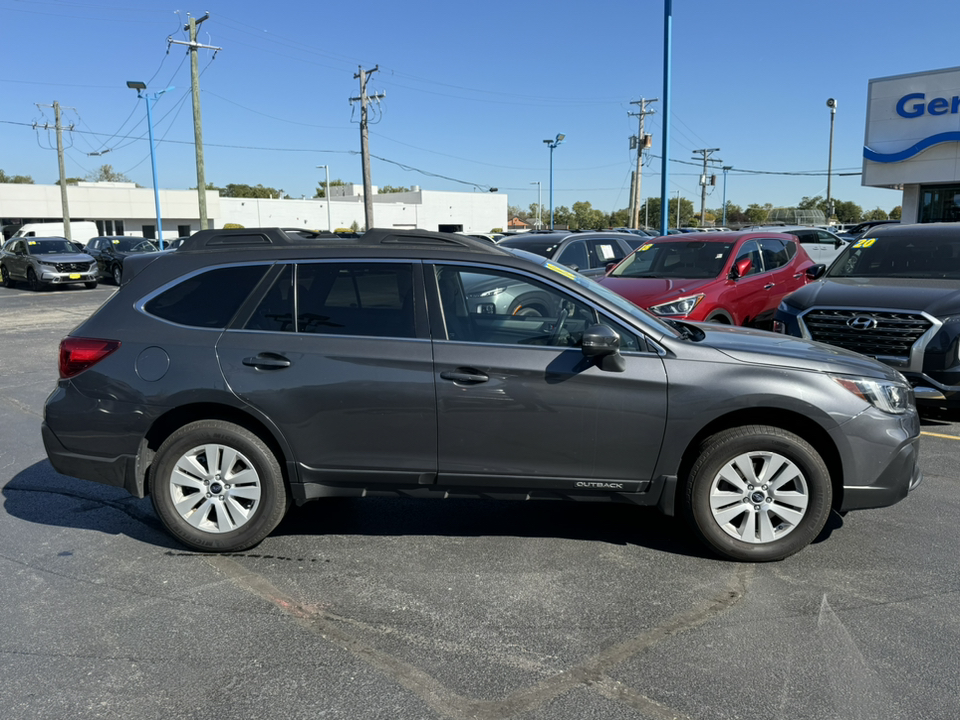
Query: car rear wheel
point(217, 487)
point(33, 281)
point(758, 493)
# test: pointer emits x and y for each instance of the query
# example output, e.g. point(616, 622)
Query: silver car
point(43, 261)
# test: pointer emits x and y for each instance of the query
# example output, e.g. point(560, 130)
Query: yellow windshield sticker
point(864, 243)
point(644, 248)
point(116, 242)
point(563, 271)
point(31, 242)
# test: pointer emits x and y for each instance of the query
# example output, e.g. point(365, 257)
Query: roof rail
point(279, 237)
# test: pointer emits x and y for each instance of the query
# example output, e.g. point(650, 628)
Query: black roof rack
point(293, 237)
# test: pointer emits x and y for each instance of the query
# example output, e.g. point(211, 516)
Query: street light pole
point(832, 104)
point(553, 144)
point(327, 194)
point(539, 204)
point(140, 87)
point(723, 222)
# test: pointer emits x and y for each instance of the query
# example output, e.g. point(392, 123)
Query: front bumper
point(52, 277)
point(874, 473)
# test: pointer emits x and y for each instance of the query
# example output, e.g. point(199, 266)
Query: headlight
point(890, 397)
point(487, 293)
point(681, 306)
point(47, 263)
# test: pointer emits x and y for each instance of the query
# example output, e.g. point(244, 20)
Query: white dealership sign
point(913, 129)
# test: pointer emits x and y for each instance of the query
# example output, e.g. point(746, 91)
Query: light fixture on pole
point(140, 87)
point(725, 168)
point(539, 204)
point(832, 104)
point(553, 144)
point(327, 195)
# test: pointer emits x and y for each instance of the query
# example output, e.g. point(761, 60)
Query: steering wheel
point(561, 319)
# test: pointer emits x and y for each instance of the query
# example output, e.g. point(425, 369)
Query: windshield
point(638, 314)
point(53, 246)
point(133, 245)
point(544, 248)
point(666, 259)
point(899, 256)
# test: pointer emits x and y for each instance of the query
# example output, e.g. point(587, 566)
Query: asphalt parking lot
point(460, 609)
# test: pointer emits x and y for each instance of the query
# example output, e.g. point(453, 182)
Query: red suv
point(736, 278)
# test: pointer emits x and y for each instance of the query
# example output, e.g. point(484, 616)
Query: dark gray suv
point(252, 368)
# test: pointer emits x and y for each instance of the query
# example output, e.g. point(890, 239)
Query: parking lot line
point(948, 437)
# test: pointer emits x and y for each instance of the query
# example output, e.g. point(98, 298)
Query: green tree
point(15, 179)
point(586, 217)
point(896, 213)
point(653, 204)
point(391, 189)
point(848, 211)
point(757, 214)
point(562, 217)
point(876, 214)
point(322, 190)
point(239, 190)
point(620, 218)
point(106, 173)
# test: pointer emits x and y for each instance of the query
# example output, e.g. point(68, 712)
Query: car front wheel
point(5, 277)
point(217, 487)
point(758, 493)
point(33, 281)
point(117, 274)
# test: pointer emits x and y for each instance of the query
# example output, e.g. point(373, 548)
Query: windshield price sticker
point(865, 243)
point(646, 247)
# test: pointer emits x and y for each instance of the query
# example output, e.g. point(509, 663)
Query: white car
point(821, 245)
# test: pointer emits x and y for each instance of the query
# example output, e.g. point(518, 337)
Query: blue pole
point(665, 160)
point(153, 162)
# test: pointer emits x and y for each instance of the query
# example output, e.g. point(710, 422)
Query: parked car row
point(46, 261)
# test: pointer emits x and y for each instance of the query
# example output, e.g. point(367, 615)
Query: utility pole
point(640, 142)
point(63, 176)
point(191, 26)
point(706, 152)
point(364, 149)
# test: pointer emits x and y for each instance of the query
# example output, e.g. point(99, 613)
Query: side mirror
point(816, 271)
point(602, 343)
point(575, 268)
point(740, 268)
point(610, 266)
point(837, 243)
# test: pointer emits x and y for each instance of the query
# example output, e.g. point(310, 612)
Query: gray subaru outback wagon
point(254, 368)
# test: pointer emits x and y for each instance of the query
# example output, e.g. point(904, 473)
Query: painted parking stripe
point(948, 437)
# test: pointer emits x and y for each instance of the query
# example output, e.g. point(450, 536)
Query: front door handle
point(465, 376)
point(768, 286)
point(267, 361)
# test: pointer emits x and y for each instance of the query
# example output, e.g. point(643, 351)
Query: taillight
point(78, 354)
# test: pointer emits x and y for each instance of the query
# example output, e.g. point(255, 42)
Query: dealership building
point(912, 142)
point(125, 209)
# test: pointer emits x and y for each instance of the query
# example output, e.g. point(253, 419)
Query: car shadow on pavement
point(938, 417)
point(39, 494)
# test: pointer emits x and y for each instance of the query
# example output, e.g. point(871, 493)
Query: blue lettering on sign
point(913, 105)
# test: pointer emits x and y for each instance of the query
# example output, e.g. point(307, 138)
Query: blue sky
point(471, 91)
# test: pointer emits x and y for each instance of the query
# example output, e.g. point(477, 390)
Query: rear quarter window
point(209, 299)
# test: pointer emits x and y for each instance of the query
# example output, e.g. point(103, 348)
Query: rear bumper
point(118, 471)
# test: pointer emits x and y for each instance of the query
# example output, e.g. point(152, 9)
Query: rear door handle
point(465, 376)
point(267, 361)
point(768, 286)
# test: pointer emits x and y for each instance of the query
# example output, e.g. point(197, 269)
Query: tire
point(117, 274)
point(33, 281)
point(5, 277)
point(198, 501)
point(758, 493)
point(719, 319)
point(90, 285)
